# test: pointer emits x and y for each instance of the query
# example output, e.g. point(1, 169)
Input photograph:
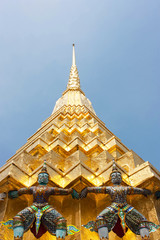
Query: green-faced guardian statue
point(40, 217)
point(119, 216)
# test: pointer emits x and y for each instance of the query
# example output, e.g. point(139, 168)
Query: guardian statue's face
point(116, 178)
point(43, 178)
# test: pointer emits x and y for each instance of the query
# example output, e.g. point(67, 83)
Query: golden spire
point(74, 82)
point(73, 95)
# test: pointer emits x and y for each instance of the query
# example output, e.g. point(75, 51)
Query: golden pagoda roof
point(73, 95)
point(75, 143)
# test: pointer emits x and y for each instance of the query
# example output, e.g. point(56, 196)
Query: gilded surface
point(79, 150)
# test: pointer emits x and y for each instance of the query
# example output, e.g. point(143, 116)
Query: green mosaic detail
point(39, 214)
point(122, 216)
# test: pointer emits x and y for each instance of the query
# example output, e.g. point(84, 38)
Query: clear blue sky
point(118, 58)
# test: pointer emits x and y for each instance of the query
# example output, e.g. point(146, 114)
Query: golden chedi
point(78, 149)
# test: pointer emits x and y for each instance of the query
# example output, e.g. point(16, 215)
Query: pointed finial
point(74, 82)
point(73, 95)
point(73, 56)
point(44, 168)
point(114, 167)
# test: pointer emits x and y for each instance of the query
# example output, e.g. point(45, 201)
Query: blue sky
point(117, 55)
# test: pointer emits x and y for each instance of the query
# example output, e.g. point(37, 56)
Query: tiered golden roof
point(79, 150)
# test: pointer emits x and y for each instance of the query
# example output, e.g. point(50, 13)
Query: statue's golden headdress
point(114, 168)
point(44, 168)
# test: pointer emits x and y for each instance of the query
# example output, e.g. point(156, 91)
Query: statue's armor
point(41, 193)
point(118, 194)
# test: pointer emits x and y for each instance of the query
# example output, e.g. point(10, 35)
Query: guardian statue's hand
point(13, 194)
point(157, 195)
point(83, 193)
point(146, 192)
point(75, 194)
point(2, 196)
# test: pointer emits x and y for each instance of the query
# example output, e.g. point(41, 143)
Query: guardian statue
point(119, 216)
point(40, 217)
